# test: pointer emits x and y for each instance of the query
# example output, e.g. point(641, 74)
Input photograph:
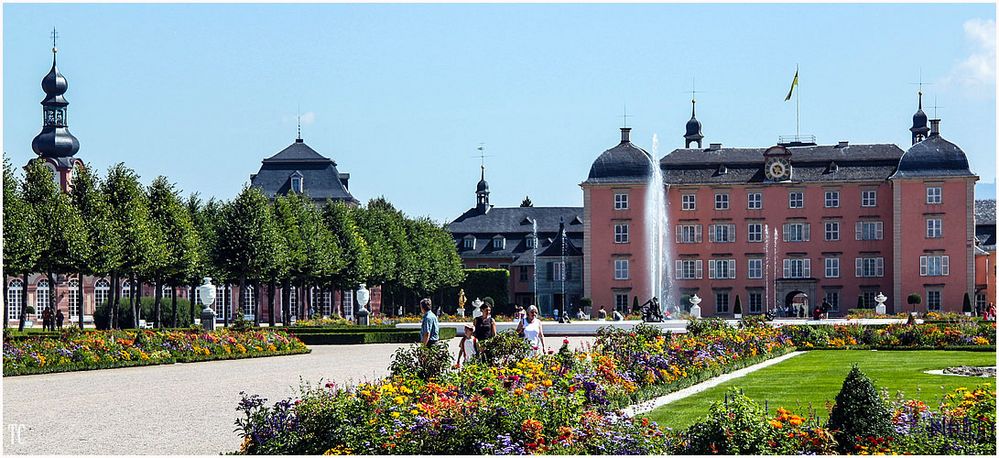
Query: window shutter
point(807, 231)
point(731, 232)
point(922, 266)
point(785, 230)
point(945, 265)
point(860, 267)
point(879, 266)
point(860, 230)
point(808, 268)
point(711, 232)
point(697, 233)
point(731, 268)
point(678, 270)
point(879, 230)
point(699, 271)
point(711, 268)
point(679, 232)
point(787, 268)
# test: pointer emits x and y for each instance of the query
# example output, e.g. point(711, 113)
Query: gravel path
point(175, 409)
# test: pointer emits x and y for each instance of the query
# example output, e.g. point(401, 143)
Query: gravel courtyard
point(172, 409)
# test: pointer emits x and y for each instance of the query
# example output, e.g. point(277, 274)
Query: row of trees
point(115, 227)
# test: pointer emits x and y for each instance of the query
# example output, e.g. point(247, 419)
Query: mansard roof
point(320, 178)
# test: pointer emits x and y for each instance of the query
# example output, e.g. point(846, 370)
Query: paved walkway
point(175, 409)
point(705, 385)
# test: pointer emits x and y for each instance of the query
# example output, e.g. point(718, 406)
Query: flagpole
point(797, 108)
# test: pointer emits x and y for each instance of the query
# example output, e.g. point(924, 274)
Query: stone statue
point(475, 308)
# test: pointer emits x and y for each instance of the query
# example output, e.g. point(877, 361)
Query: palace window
point(755, 233)
point(102, 289)
point(934, 228)
point(755, 200)
point(524, 273)
point(721, 301)
point(797, 268)
point(248, 301)
point(620, 233)
point(980, 301)
point(532, 242)
point(831, 297)
point(721, 201)
point(870, 267)
point(621, 269)
point(869, 199)
point(755, 302)
point(934, 266)
point(348, 304)
point(721, 269)
point(797, 232)
point(292, 302)
point(620, 201)
point(832, 267)
point(832, 230)
point(74, 298)
point(933, 300)
point(721, 233)
point(14, 296)
point(167, 291)
point(934, 195)
point(41, 296)
point(499, 243)
point(223, 302)
point(689, 269)
point(469, 242)
point(296, 184)
point(755, 268)
point(688, 202)
point(557, 271)
point(832, 199)
point(621, 302)
point(688, 233)
point(796, 199)
point(870, 230)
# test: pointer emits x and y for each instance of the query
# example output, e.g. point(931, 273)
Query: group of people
point(51, 321)
point(483, 328)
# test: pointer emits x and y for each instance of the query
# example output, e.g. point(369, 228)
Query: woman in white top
point(530, 328)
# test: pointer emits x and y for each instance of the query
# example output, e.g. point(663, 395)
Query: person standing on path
point(531, 329)
point(469, 346)
point(429, 328)
point(59, 318)
point(485, 325)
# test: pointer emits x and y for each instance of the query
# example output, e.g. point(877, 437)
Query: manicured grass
point(816, 377)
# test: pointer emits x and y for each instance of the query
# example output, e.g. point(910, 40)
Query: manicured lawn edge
point(79, 367)
point(655, 391)
point(985, 348)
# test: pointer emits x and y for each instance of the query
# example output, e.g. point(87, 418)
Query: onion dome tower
point(624, 163)
point(482, 193)
point(55, 144)
point(693, 128)
point(919, 128)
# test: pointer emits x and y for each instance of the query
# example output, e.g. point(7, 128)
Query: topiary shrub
point(425, 362)
point(505, 348)
point(859, 412)
point(736, 427)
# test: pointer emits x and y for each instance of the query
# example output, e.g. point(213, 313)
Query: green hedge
point(353, 338)
point(482, 283)
point(203, 358)
point(82, 366)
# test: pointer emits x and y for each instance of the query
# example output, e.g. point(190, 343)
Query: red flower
point(565, 341)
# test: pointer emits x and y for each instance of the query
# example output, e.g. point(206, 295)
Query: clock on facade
point(778, 169)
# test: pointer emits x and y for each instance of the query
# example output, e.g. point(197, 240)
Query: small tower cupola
point(919, 127)
point(55, 140)
point(482, 193)
point(693, 134)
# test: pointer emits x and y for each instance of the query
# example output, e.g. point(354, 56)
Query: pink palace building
point(787, 227)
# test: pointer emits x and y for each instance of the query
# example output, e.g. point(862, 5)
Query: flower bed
point(75, 350)
point(957, 335)
point(559, 403)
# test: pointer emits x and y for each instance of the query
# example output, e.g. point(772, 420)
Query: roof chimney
point(714, 146)
point(843, 144)
point(934, 127)
point(625, 134)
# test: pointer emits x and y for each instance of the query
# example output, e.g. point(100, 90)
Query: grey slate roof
point(985, 211)
point(933, 157)
point(623, 163)
point(513, 223)
point(985, 235)
point(819, 163)
point(320, 178)
point(562, 245)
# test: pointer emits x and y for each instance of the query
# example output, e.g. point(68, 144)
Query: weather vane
point(625, 116)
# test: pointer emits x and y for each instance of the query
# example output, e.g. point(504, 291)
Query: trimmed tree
point(339, 219)
point(169, 216)
point(737, 310)
point(105, 252)
point(860, 411)
point(967, 304)
point(20, 246)
point(914, 299)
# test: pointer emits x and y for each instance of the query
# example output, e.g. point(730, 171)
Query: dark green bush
point(483, 283)
point(422, 361)
point(125, 315)
point(706, 325)
point(859, 412)
point(504, 349)
point(737, 426)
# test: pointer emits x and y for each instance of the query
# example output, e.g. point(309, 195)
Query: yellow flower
point(400, 400)
point(414, 411)
point(546, 383)
point(395, 414)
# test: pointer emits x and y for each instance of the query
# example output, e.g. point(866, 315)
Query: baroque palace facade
point(296, 168)
point(794, 224)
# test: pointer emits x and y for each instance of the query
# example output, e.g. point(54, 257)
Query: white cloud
point(978, 70)
point(310, 116)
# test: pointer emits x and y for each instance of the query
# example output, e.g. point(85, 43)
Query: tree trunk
point(270, 303)
point(135, 294)
point(157, 303)
point(221, 305)
point(173, 303)
point(256, 304)
point(242, 297)
point(24, 305)
point(114, 301)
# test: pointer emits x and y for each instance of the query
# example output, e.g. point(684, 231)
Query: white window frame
point(870, 267)
point(688, 269)
point(831, 230)
point(754, 201)
point(621, 269)
point(934, 300)
point(292, 302)
point(869, 198)
point(934, 265)
point(688, 202)
point(721, 201)
point(796, 199)
point(870, 230)
point(248, 303)
point(102, 291)
point(15, 289)
point(39, 303)
point(499, 243)
point(74, 298)
point(797, 268)
point(531, 242)
point(832, 199)
point(934, 195)
point(721, 233)
point(754, 268)
point(827, 297)
point(689, 233)
point(719, 303)
point(721, 269)
point(620, 201)
point(297, 184)
point(797, 232)
point(832, 267)
point(621, 233)
point(469, 243)
point(754, 235)
point(755, 306)
point(934, 228)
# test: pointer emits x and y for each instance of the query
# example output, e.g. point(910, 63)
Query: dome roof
point(483, 185)
point(55, 142)
point(693, 126)
point(624, 162)
point(933, 157)
point(919, 119)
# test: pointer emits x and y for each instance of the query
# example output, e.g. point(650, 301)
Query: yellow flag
point(793, 84)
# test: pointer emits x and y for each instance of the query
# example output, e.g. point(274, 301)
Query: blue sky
point(402, 95)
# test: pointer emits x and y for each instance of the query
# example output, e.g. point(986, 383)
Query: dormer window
point(499, 242)
point(297, 182)
point(532, 242)
point(469, 242)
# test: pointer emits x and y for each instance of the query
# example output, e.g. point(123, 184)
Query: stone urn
point(476, 311)
point(695, 309)
point(880, 309)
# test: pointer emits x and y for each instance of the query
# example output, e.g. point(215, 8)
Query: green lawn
point(817, 376)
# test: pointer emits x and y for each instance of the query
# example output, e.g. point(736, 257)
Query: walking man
point(429, 329)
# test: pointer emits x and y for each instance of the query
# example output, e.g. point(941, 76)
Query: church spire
point(919, 128)
point(482, 192)
point(55, 140)
point(693, 134)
